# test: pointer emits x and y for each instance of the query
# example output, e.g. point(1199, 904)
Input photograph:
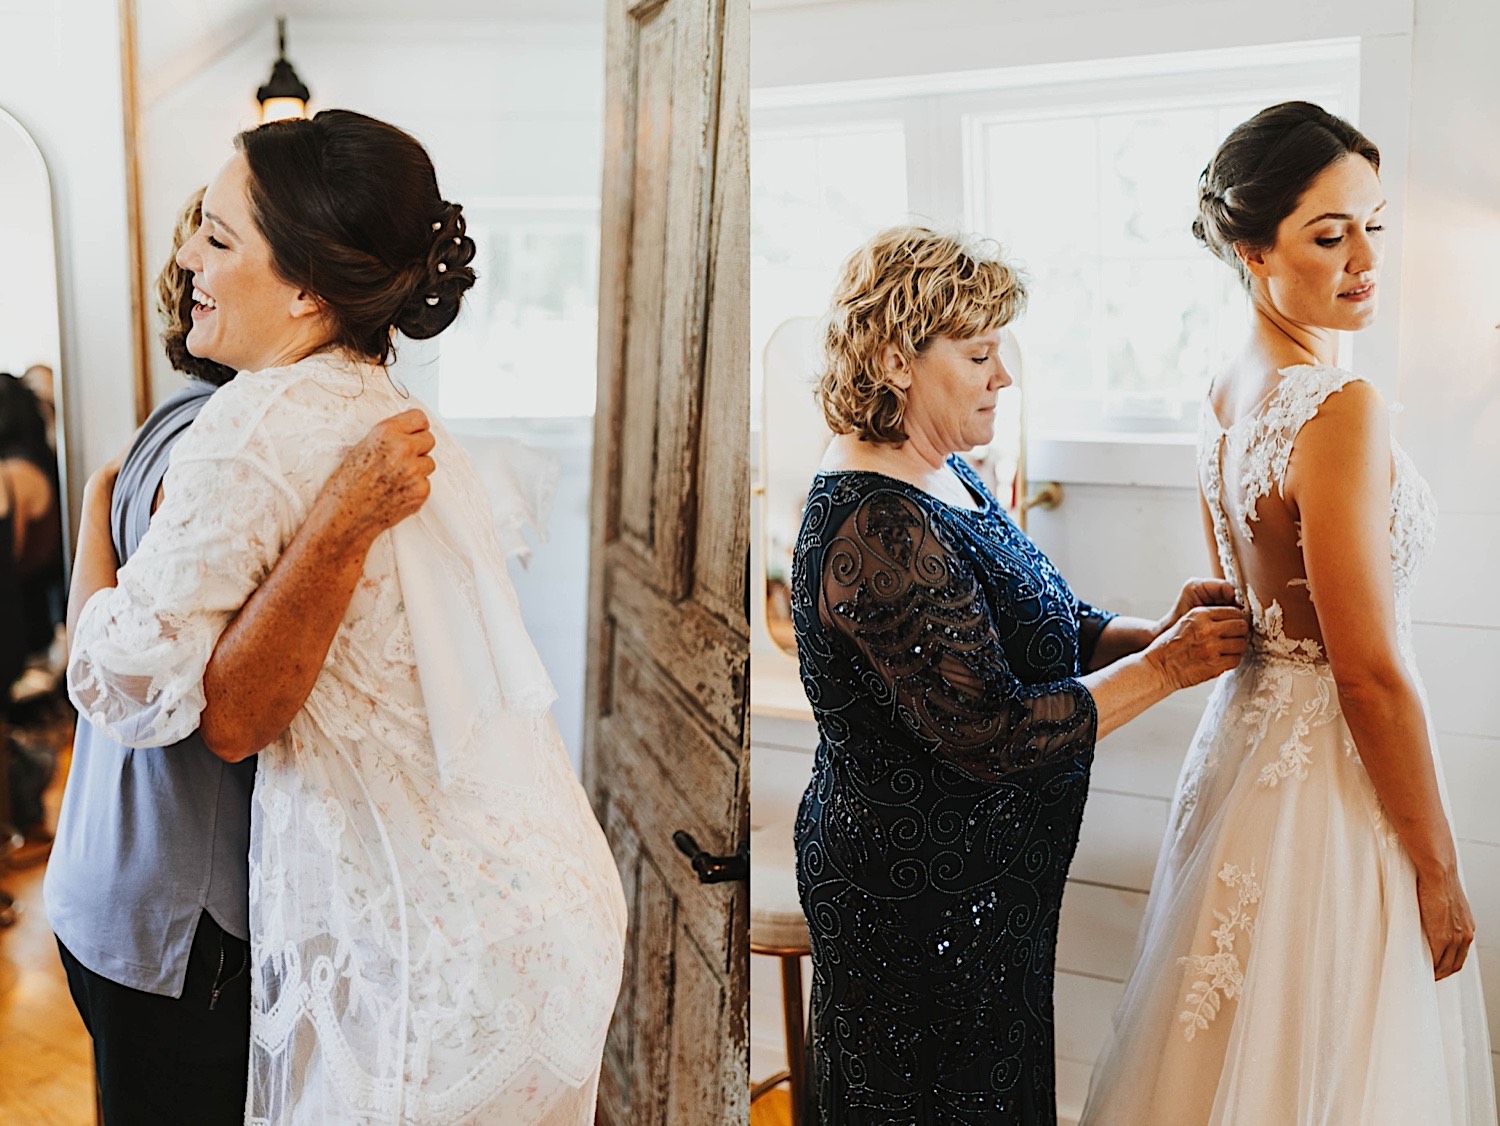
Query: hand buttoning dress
point(1284, 978)
point(436, 920)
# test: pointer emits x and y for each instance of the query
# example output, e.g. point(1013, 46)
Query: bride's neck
point(1284, 341)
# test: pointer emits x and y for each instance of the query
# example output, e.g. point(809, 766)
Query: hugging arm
point(267, 659)
point(221, 620)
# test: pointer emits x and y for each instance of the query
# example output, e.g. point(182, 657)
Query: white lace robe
point(436, 920)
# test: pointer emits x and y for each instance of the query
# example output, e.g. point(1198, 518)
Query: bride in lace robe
point(1305, 957)
point(436, 920)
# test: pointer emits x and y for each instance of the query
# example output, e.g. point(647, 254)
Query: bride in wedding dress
point(436, 920)
point(1305, 958)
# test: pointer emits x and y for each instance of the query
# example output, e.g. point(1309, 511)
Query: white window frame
point(539, 211)
point(939, 111)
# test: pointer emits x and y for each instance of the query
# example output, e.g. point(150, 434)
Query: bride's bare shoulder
point(1348, 426)
point(1343, 402)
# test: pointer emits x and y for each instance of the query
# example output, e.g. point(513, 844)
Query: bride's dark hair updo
point(1263, 169)
point(351, 210)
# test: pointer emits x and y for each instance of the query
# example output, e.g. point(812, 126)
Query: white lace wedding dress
point(1283, 976)
point(436, 919)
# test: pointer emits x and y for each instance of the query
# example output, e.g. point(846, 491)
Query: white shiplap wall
point(1450, 388)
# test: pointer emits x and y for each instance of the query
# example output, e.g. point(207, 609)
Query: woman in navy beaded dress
point(959, 688)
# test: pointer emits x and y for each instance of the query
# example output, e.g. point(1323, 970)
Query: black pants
point(163, 1061)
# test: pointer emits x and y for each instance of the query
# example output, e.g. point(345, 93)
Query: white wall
point(1437, 134)
point(798, 43)
point(1450, 386)
point(506, 110)
point(60, 77)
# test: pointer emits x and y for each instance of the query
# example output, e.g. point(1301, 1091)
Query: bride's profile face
point(244, 315)
point(1324, 269)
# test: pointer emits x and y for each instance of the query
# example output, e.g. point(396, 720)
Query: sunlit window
point(1130, 314)
point(1086, 174)
point(524, 343)
point(816, 194)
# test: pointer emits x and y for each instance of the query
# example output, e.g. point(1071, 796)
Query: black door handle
point(713, 869)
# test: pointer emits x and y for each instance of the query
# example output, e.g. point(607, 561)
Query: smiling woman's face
point(244, 315)
point(1324, 269)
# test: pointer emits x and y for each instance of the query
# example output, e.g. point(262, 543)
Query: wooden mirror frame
point(140, 302)
point(59, 395)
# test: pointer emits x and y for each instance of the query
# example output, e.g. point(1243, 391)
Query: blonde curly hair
point(174, 301)
point(905, 287)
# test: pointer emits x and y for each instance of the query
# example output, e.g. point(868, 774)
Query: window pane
point(1129, 315)
point(524, 342)
point(816, 194)
point(1149, 187)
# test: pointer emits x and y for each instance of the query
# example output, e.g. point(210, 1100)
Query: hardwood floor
point(46, 1064)
point(774, 1108)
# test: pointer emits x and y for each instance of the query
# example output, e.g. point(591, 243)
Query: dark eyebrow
point(1339, 215)
point(211, 217)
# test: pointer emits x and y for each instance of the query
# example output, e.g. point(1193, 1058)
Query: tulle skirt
point(1283, 978)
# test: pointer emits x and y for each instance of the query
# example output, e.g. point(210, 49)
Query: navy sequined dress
point(939, 649)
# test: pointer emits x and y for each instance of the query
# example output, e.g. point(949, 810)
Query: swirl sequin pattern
point(940, 650)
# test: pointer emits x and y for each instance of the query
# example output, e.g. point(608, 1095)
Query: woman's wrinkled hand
point(1195, 593)
point(1204, 642)
point(385, 478)
point(1446, 920)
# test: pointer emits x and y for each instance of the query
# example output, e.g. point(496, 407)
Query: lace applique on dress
point(1262, 444)
point(1222, 974)
point(1264, 440)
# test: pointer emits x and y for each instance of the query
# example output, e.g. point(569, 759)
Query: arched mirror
point(33, 509)
point(794, 436)
point(33, 517)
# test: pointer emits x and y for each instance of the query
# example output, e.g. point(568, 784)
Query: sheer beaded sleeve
point(1091, 622)
point(913, 609)
point(136, 667)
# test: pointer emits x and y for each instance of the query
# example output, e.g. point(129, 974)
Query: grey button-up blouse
point(148, 838)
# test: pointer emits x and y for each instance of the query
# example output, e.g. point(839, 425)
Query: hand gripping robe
point(436, 920)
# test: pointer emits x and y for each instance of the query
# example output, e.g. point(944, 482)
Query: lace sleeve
point(136, 667)
point(915, 613)
point(1091, 622)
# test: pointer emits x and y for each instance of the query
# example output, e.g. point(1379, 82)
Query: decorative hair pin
point(432, 299)
point(442, 267)
point(437, 226)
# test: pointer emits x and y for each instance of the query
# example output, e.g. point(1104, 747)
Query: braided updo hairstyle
point(1261, 172)
point(350, 208)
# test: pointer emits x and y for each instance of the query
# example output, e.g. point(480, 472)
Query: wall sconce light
point(285, 95)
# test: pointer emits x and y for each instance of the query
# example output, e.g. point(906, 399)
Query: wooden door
point(666, 743)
